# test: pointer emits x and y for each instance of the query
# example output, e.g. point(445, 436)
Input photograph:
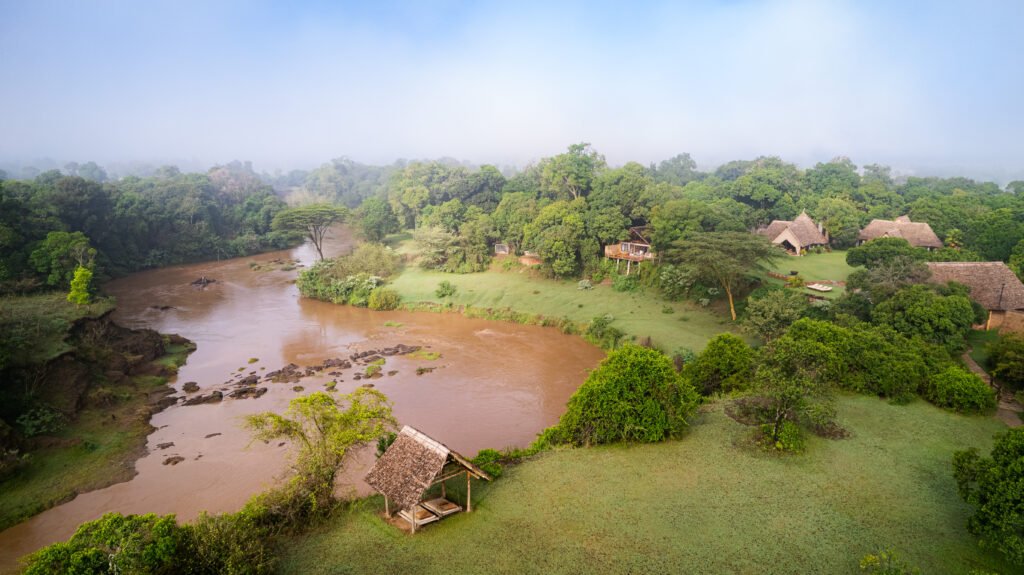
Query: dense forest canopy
point(564, 208)
point(132, 223)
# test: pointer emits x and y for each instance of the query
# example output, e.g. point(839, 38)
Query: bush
point(368, 258)
point(490, 461)
point(384, 299)
point(886, 562)
point(41, 421)
point(790, 437)
point(634, 395)
point(960, 390)
point(726, 364)
point(81, 286)
point(227, 543)
point(445, 289)
point(993, 486)
point(319, 283)
point(625, 283)
point(1006, 360)
point(115, 543)
point(601, 333)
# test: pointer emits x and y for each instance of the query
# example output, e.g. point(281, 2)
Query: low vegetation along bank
point(76, 397)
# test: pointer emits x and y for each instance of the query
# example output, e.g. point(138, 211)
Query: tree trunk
point(732, 308)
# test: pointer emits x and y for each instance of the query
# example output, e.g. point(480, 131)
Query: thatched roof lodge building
point(917, 234)
point(796, 236)
point(412, 465)
point(992, 284)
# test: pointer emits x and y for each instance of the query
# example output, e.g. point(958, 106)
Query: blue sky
point(932, 87)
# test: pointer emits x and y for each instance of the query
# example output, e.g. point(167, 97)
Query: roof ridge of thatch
point(410, 466)
point(918, 234)
point(992, 284)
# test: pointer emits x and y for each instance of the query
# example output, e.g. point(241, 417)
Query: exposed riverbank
point(102, 382)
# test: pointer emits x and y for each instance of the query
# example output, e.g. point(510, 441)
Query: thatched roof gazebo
point(412, 465)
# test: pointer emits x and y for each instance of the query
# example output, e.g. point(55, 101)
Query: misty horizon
point(928, 92)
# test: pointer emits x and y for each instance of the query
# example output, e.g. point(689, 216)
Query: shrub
point(228, 543)
point(601, 333)
point(385, 441)
point(81, 286)
point(625, 283)
point(490, 461)
point(383, 299)
point(790, 437)
point(886, 562)
point(445, 289)
point(115, 543)
point(40, 421)
point(368, 258)
point(634, 395)
point(726, 364)
point(992, 486)
point(795, 281)
point(960, 390)
point(1006, 360)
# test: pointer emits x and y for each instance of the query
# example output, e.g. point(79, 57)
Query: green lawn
point(829, 266)
point(638, 314)
point(703, 504)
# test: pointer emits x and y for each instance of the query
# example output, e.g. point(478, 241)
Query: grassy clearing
point(638, 314)
point(829, 266)
point(41, 322)
point(700, 505)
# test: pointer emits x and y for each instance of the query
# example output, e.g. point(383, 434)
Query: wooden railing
point(615, 251)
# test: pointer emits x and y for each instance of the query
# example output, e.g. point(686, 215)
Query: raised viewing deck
point(629, 251)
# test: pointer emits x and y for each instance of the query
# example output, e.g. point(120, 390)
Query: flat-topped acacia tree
point(314, 220)
point(723, 258)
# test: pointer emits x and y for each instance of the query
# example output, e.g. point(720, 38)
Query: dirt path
point(1009, 412)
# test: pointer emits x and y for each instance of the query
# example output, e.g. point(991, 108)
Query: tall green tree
point(376, 220)
point(314, 220)
point(769, 316)
point(571, 175)
point(723, 258)
point(60, 254)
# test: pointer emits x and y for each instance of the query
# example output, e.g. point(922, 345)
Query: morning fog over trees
point(654, 287)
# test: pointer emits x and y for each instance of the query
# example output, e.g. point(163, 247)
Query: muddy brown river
point(494, 385)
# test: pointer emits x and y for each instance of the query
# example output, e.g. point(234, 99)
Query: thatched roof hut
point(917, 234)
point(414, 463)
point(796, 235)
point(993, 284)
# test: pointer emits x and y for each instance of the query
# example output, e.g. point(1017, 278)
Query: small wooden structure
point(502, 249)
point(412, 465)
point(637, 249)
point(819, 287)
